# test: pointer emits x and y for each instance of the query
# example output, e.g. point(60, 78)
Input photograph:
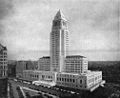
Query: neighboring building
point(20, 66)
point(3, 61)
point(58, 42)
point(24, 65)
point(76, 64)
point(44, 63)
point(31, 65)
point(12, 68)
point(3, 87)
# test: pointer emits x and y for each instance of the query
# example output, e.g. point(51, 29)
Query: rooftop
point(89, 73)
point(47, 57)
point(72, 56)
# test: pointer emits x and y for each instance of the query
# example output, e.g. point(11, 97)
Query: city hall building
point(63, 69)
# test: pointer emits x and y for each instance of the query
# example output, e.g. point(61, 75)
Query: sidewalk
point(15, 93)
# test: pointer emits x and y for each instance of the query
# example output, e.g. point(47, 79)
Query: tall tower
point(58, 43)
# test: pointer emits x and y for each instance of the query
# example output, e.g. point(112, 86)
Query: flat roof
point(46, 57)
point(81, 74)
point(72, 56)
point(39, 71)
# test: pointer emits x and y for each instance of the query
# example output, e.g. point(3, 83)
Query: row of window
point(98, 77)
point(66, 79)
point(3, 56)
point(91, 80)
point(34, 76)
point(3, 67)
point(3, 62)
point(65, 75)
point(3, 59)
point(76, 64)
point(73, 67)
point(69, 85)
point(3, 53)
point(46, 76)
point(3, 73)
point(44, 63)
point(74, 61)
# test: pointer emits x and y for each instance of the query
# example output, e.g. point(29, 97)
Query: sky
point(25, 27)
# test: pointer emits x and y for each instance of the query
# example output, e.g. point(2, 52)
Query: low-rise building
point(20, 66)
point(44, 63)
point(3, 61)
point(36, 75)
point(84, 81)
point(12, 68)
point(76, 64)
point(24, 65)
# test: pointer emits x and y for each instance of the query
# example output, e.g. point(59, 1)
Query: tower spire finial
point(59, 16)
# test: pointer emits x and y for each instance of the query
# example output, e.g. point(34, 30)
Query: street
point(48, 90)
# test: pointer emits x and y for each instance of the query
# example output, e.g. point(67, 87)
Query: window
point(48, 76)
point(37, 76)
point(70, 80)
point(56, 23)
point(43, 76)
point(80, 81)
point(73, 80)
point(60, 79)
point(65, 79)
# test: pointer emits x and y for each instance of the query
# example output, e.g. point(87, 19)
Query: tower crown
point(2, 47)
point(59, 16)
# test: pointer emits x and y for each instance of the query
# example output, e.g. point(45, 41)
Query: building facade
point(20, 66)
point(76, 64)
point(11, 68)
point(3, 61)
point(58, 42)
point(36, 75)
point(44, 63)
point(83, 81)
point(24, 65)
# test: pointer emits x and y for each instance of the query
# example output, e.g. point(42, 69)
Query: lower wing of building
point(84, 81)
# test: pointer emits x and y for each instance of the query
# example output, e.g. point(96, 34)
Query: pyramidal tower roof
point(59, 16)
point(2, 47)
